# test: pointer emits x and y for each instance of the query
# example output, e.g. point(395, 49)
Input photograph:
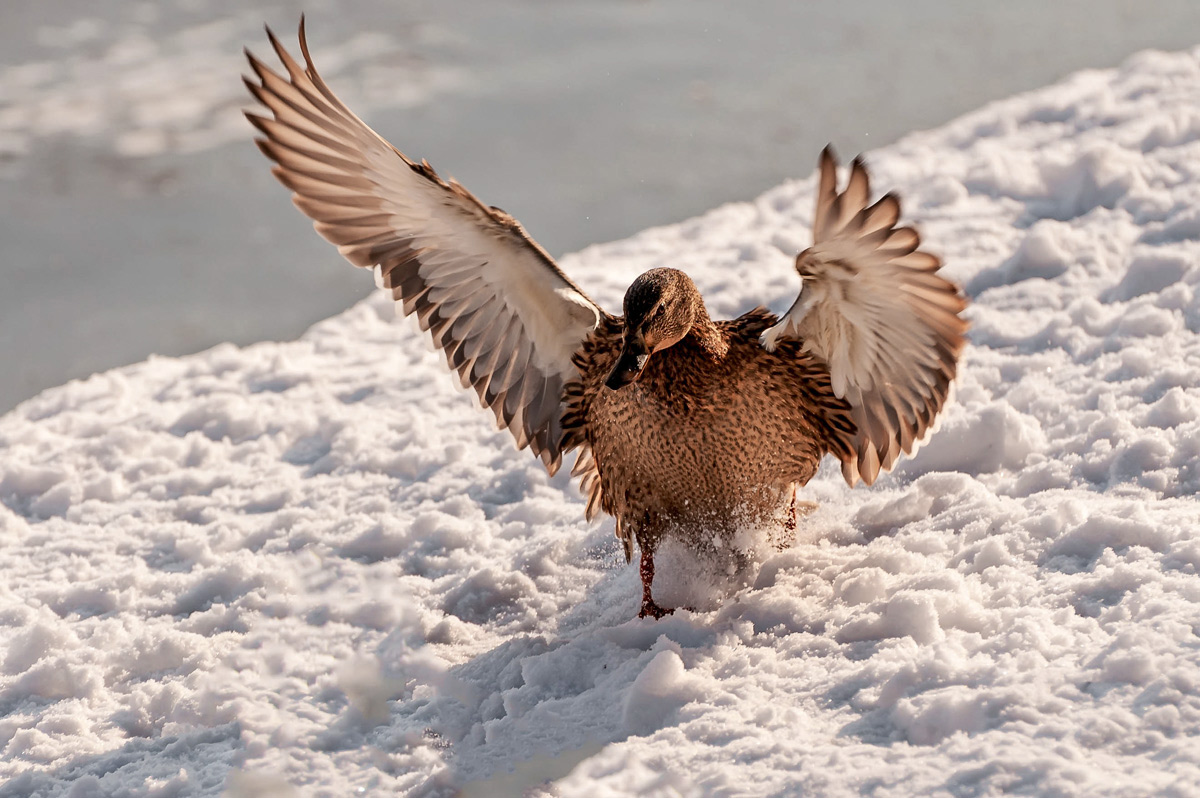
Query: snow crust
point(314, 568)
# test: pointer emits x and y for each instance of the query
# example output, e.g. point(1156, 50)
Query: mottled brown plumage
point(683, 425)
point(713, 433)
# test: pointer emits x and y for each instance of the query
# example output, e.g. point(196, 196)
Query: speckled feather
point(699, 440)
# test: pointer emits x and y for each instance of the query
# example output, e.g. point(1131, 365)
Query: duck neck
point(705, 336)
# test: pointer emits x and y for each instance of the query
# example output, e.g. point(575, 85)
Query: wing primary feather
point(826, 191)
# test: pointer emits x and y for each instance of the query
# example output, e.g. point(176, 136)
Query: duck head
point(661, 306)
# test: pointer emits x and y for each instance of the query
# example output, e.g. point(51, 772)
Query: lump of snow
point(1100, 532)
point(980, 440)
point(1098, 177)
point(1134, 666)
point(1176, 407)
point(1041, 253)
point(657, 693)
point(1150, 273)
point(907, 614)
point(487, 594)
point(938, 714)
point(35, 642)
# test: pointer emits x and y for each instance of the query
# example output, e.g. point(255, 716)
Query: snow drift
point(314, 567)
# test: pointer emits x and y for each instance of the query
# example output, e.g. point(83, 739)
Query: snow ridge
point(314, 567)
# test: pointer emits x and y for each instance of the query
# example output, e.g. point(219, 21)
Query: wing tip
point(302, 35)
point(271, 37)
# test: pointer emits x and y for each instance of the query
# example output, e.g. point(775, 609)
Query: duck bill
point(634, 355)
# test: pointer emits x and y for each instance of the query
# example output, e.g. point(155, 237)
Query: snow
point(314, 568)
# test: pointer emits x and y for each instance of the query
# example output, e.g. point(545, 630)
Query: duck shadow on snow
point(531, 709)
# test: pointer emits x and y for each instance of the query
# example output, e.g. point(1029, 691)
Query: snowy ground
point(312, 568)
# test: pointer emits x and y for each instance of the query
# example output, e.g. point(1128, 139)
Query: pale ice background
point(136, 217)
point(314, 568)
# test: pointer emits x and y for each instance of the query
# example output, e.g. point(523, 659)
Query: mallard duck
point(680, 423)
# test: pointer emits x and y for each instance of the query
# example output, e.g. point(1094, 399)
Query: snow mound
point(314, 568)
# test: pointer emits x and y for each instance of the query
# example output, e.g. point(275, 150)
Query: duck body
point(708, 440)
point(713, 434)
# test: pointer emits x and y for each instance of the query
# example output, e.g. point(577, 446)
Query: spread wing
point(873, 306)
point(507, 319)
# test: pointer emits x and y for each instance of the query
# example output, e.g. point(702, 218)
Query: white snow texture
point(315, 568)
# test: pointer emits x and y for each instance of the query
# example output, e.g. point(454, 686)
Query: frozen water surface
point(137, 218)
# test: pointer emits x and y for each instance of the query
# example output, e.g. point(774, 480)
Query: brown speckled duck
point(681, 423)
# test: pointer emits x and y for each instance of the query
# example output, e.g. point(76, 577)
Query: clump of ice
point(315, 567)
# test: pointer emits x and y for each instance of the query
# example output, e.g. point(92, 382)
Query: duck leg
point(789, 526)
point(788, 535)
point(649, 607)
point(796, 510)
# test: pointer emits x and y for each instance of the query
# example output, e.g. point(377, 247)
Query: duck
point(681, 425)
